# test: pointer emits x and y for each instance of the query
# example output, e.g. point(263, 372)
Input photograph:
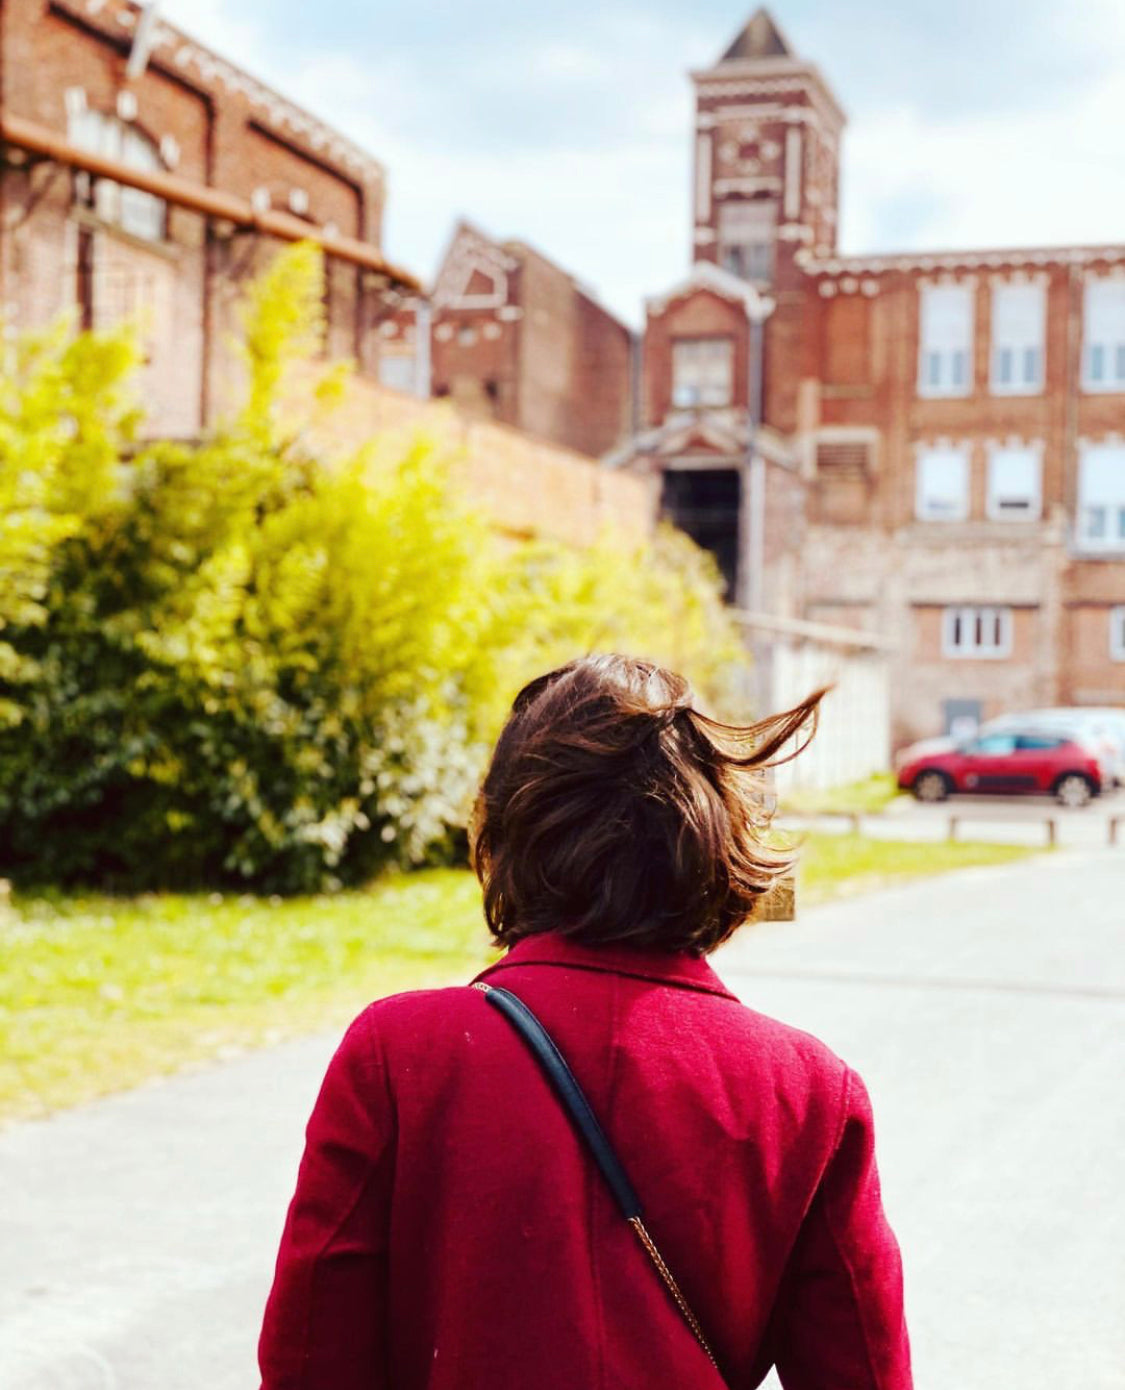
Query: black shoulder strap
point(582, 1117)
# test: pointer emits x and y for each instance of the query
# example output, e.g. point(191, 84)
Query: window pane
point(1018, 324)
point(1120, 361)
point(1117, 634)
point(946, 334)
point(135, 211)
point(1105, 311)
point(1013, 482)
point(996, 745)
point(1097, 362)
point(977, 632)
point(1101, 494)
point(747, 231)
point(701, 372)
point(943, 484)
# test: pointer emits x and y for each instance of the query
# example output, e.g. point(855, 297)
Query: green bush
point(233, 663)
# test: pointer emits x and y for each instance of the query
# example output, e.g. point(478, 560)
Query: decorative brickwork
point(514, 338)
point(861, 391)
point(66, 64)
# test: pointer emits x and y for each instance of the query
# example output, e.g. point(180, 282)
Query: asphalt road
point(986, 1011)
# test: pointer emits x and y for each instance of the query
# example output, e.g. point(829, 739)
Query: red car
point(1058, 764)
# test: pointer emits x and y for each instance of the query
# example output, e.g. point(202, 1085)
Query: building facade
point(928, 448)
point(508, 335)
point(212, 173)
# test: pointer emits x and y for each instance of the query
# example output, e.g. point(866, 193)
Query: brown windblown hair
point(614, 811)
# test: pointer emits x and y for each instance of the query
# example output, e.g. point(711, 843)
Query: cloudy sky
point(973, 123)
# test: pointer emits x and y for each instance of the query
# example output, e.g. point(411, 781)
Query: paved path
point(987, 1012)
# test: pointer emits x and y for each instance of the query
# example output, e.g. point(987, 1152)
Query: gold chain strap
point(673, 1288)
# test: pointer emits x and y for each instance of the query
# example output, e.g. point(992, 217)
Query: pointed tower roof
point(758, 38)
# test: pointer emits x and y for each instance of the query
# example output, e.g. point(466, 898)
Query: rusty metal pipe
point(208, 202)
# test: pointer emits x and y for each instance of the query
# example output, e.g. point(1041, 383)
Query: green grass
point(833, 866)
point(869, 796)
point(98, 994)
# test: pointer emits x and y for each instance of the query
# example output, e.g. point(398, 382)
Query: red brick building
point(211, 172)
point(511, 336)
point(930, 448)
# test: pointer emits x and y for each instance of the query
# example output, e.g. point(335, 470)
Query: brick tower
point(767, 145)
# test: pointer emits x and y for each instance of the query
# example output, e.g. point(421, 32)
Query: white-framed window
point(1014, 484)
point(139, 213)
point(747, 234)
point(702, 372)
point(1103, 350)
point(945, 353)
point(977, 632)
point(1019, 318)
point(942, 484)
point(1101, 497)
point(1117, 634)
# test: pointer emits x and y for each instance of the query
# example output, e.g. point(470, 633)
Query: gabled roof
point(700, 435)
point(705, 275)
point(473, 255)
point(759, 37)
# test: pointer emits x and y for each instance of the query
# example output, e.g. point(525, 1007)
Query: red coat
point(448, 1231)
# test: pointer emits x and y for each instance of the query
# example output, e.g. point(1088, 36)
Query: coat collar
point(681, 968)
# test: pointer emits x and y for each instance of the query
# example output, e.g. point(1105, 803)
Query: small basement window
point(977, 632)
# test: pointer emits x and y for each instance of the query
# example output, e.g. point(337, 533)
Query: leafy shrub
point(232, 663)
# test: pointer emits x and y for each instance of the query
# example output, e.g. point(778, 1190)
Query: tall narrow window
point(1117, 634)
point(1101, 497)
point(1103, 355)
point(977, 632)
point(945, 356)
point(942, 485)
point(1018, 323)
point(701, 372)
point(747, 232)
point(1014, 484)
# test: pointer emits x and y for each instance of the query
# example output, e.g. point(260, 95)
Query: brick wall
point(516, 339)
point(213, 125)
point(699, 314)
point(527, 486)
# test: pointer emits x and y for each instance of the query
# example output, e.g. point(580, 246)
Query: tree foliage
point(234, 663)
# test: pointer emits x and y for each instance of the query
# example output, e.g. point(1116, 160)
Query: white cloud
point(605, 190)
point(237, 38)
point(1048, 178)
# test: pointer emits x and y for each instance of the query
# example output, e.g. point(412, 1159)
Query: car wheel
point(1074, 790)
point(931, 786)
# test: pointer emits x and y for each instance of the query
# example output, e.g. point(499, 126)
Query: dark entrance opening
point(704, 503)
